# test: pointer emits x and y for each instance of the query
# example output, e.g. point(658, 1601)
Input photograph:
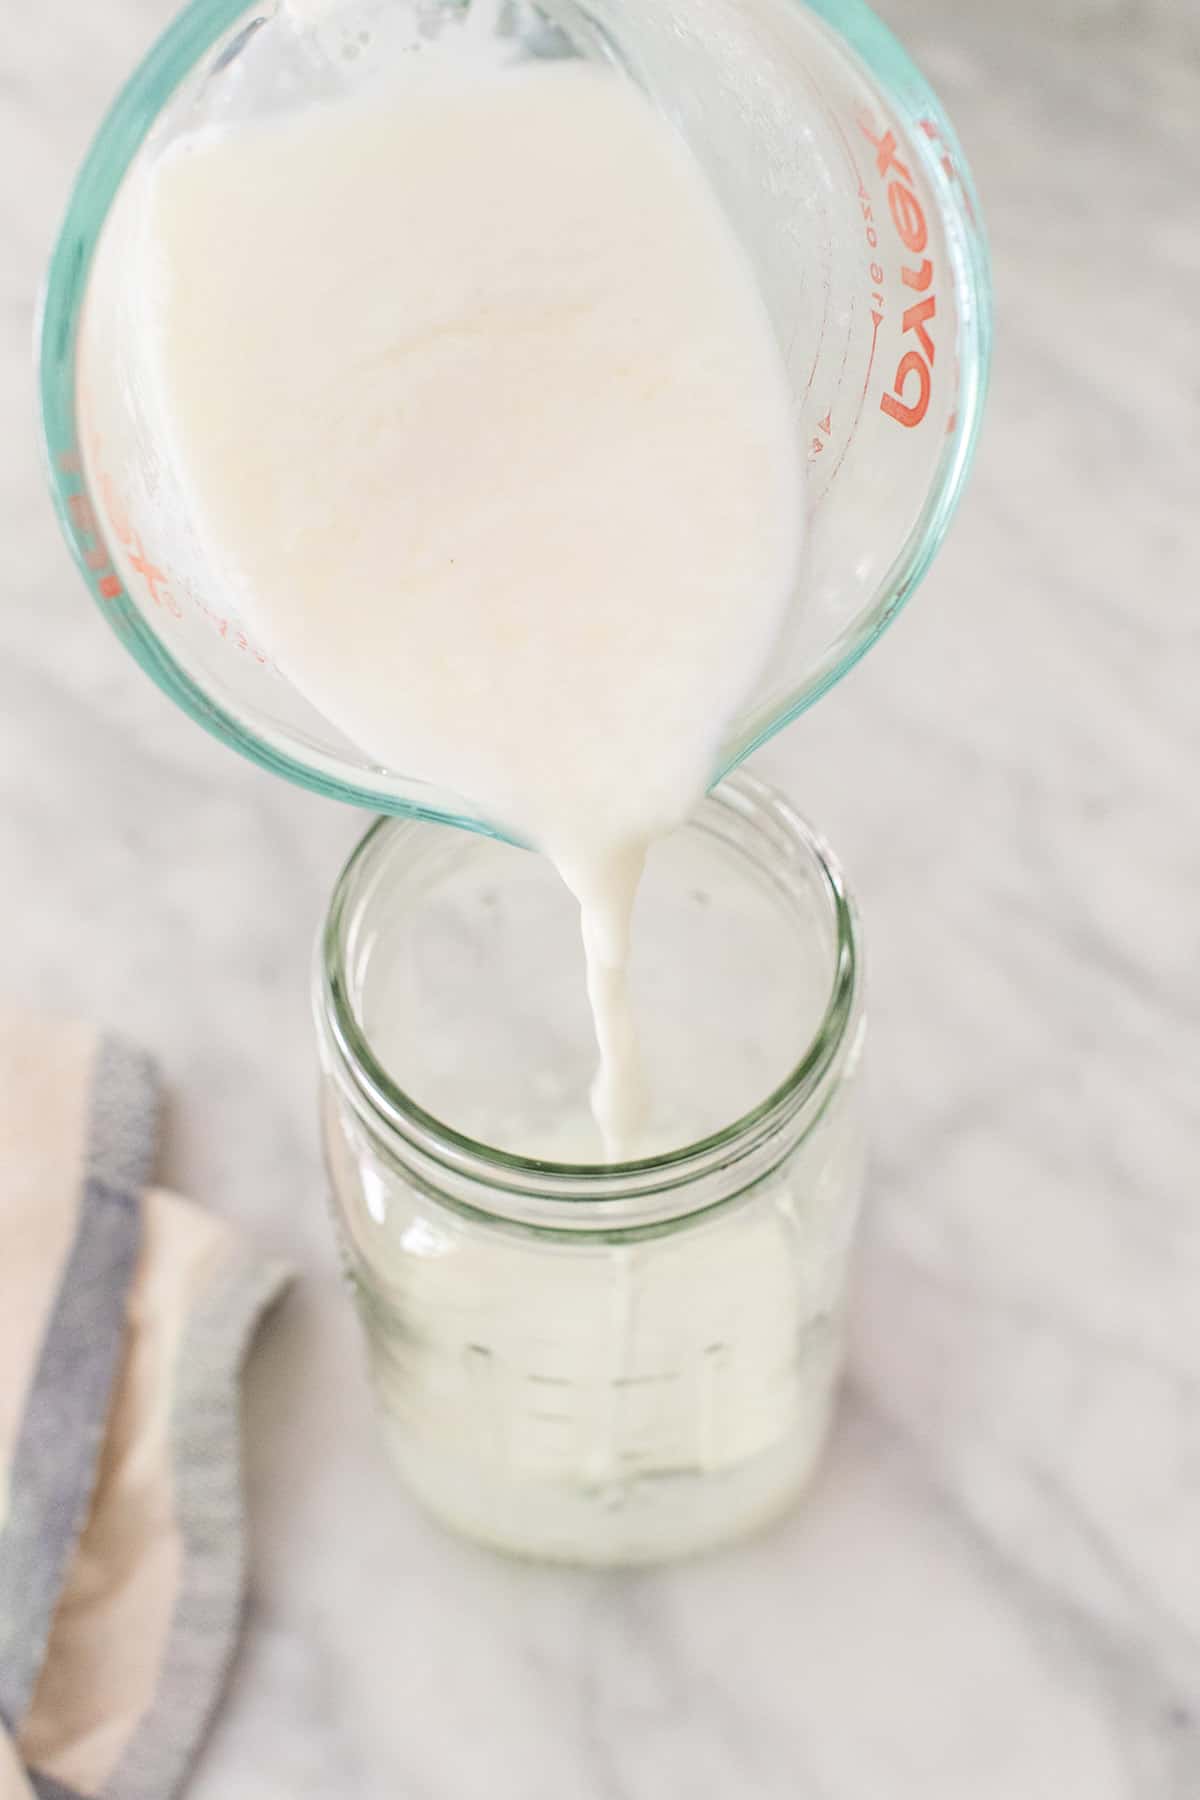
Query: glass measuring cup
point(837, 168)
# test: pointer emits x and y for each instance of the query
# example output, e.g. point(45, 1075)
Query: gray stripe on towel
point(206, 1473)
point(126, 1113)
point(61, 1433)
point(46, 1788)
point(57, 1453)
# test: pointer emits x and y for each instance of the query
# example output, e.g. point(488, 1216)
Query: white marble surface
point(994, 1593)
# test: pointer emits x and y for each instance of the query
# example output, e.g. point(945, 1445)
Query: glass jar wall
point(572, 1360)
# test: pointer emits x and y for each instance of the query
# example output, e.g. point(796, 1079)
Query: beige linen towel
point(125, 1313)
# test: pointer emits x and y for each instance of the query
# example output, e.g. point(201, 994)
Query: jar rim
point(387, 1104)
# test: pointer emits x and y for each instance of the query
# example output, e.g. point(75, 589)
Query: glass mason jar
point(589, 1362)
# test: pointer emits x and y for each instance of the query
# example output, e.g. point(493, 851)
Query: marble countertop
point(994, 1591)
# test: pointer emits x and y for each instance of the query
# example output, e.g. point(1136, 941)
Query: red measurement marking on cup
point(224, 627)
point(152, 576)
point(154, 579)
point(821, 103)
point(165, 592)
point(85, 530)
point(875, 271)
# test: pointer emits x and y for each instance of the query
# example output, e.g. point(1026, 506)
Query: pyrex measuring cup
point(836, 166)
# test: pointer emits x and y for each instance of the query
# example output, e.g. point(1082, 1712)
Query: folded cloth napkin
point(125, 1314)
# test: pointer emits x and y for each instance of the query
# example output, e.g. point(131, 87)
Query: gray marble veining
point(994, 1591)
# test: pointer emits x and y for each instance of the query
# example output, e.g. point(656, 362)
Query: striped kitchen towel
point(125, 1313)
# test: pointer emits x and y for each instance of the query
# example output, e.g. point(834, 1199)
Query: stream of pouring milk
point(480, 413)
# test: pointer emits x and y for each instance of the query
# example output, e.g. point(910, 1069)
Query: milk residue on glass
point(482, 418)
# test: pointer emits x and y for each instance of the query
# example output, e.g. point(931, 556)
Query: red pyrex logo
point(913, 379)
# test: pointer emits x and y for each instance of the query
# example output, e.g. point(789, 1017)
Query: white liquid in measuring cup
point(482, 417)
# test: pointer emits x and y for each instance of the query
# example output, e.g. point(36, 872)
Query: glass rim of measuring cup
point(647, 1192)
point(121, 135)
